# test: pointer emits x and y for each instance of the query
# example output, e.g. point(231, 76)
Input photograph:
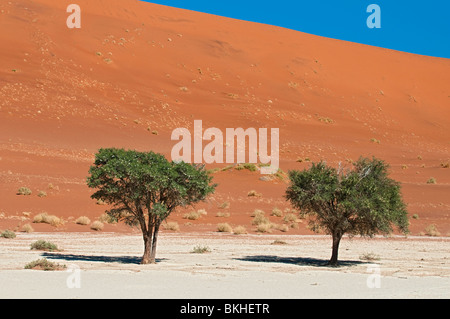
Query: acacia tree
point(362, 201)
point(144, 188)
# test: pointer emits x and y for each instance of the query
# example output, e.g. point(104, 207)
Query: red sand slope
point(135, 68)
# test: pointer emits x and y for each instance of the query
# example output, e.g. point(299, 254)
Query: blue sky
point(421, 27)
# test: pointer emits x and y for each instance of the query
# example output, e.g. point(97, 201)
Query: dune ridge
point(135, 71)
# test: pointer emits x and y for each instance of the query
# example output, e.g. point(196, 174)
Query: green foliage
point(144, 187)
point(362, 201)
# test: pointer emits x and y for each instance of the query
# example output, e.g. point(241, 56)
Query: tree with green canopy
point(144, 188)
point(360, 201)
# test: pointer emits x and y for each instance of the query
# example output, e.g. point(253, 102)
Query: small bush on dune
point(432, 230)
point(194, 215)
point(82, 220)
point(27, 228)
point(107, 219)
point(254, 193)
point(42, 194)
point(171, 226)
point(276, 212)
point(97, 225)
point(264, 228)
point(290, 218)
point(224, 228)
point(239, 230)
point(48, 219)
point(24, 191)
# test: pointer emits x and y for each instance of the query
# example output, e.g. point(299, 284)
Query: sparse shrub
point(445, 165)
point(264, 228)
point(326, 120)
point(239, 230)
point(290, 218)
point(44, 264)
point(415, 216)
point(224, 205)
point(24, 191)
point(432, 180)
point(27, 228)
point(48, 219)
point(432, 230)
point(97, 225)
point(8, 234)
point(171, 226)
point(222, 214)
point(224, 228)
point(44, 245)
point(42, 194)
point(257, 212)
point(201, 249)
point(276, 212)
point(192, 215)
point(82, 220)
point(260, 219)
point(282, 227)
point(107, 219)
point(254, 193)
point(374, 140)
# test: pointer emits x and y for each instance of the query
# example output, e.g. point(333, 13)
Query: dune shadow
point(93, 258)
point(300, 261)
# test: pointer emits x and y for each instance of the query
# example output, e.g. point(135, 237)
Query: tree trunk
point(147, 249)
point(154, 242)
point(334, 256)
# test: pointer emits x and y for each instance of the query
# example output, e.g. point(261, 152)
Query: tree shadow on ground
point(93, 258)
point(300, 261)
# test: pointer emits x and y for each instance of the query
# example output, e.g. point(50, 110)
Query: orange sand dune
point(135, 71)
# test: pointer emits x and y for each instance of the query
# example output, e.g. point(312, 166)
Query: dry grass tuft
point(82, 220)
point(171, 226)
point(239, 230)
point(224, 228)
point(27, 228)
point(24, 191)
point(254, 193)
point(432, 230)
point(97, 225)
point(48, 219)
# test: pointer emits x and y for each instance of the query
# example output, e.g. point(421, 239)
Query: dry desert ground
point(106, 265)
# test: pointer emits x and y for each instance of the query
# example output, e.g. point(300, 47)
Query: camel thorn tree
point(361, 201)
point(144, 188)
